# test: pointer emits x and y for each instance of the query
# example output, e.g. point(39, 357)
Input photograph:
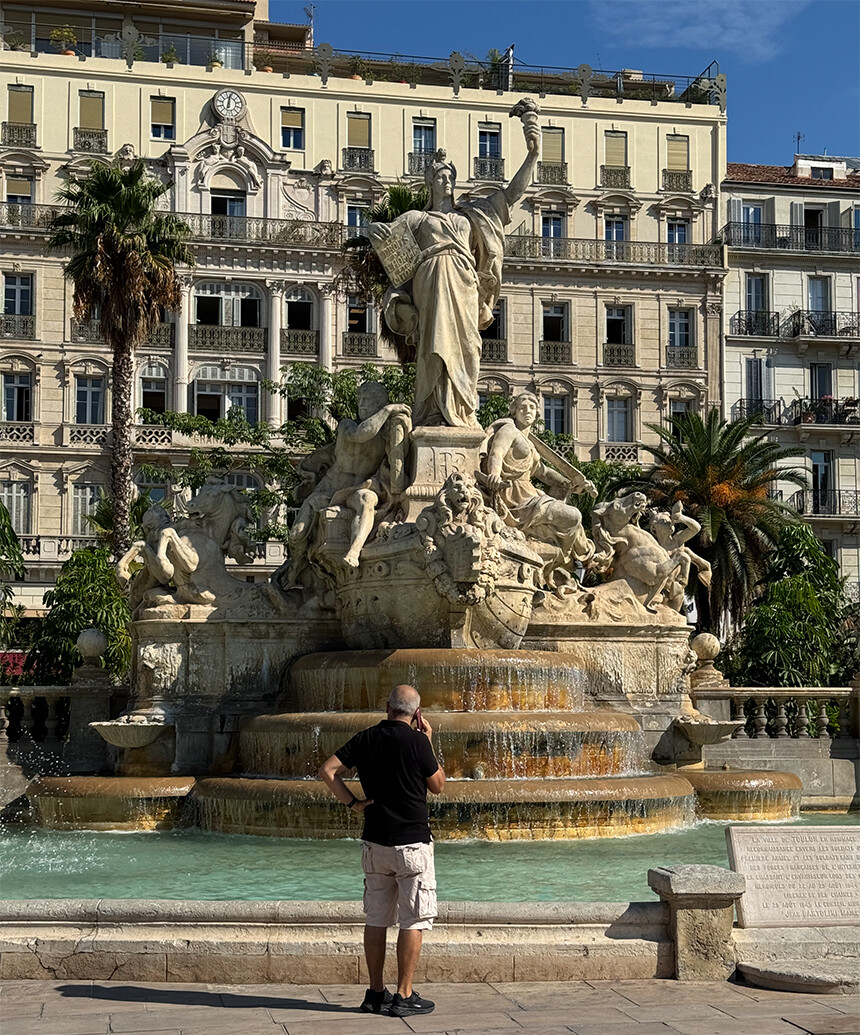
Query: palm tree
point(724, 474)
point(102, 519)
point(123, 267)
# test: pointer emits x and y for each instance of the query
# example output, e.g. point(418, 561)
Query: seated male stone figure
point(664, 528)
point(367, 460)
point(510, 462)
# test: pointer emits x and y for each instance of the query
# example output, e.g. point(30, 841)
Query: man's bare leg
point(374, 953)
point(364, 504)
point(408, 951)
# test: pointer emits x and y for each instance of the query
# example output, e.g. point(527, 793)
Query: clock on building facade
point(229, 104)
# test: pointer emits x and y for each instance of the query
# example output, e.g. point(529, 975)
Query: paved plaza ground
point(552, 1008)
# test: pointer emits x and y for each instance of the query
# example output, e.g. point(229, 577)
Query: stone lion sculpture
point(632, 554)
point(184, 560)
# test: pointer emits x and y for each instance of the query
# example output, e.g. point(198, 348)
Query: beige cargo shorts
point(399, 886)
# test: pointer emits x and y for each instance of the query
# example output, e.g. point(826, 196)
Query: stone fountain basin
point(130, 734)
point(706, 731)
point(109, 802)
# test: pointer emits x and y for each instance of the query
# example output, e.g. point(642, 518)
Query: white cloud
point(747, 28)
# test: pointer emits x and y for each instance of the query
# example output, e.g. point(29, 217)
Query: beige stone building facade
point(611, 304)
point(792, 299)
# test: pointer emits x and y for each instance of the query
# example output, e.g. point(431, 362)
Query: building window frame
point(17, 397)
point(682, 327)
point(160, 129)
point(18, 294)
point(293, 129)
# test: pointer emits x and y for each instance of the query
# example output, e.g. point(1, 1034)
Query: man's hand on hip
point(360, 806)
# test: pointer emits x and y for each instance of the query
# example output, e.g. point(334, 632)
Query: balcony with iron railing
point(359, 343)
point(489, 168)
point(91, 141)
point(300, 343)
point(357, 159)
point(417, 162)
point(754, 322)
point(634, 253)
point(89, 331)
point(552, 173)
point(263, 230)
point(18, 326)
point(680, 180)
point(790, 238)
point(615, 177)
point(682, 357)
point(826, 410)
point(234, 339)
point(814, 323)
point(770, 410)
point(494, 350)
point(615, 355)
point(19, 134)
point(827, 503)
point(555, 353)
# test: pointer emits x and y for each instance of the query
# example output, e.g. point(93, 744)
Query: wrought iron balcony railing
point(757, 322)
point(489, 169)
point(494, 350)
point(791, 238)
point(234, 339)
point(300, 343)
point(556, 353)
point(830, 503)
point(93, 141)
point(36, 217)
point(90, 331)
point(418, 162)
point(769, 410)
point(678, 180)
point(826, 410)
point(15, 326)
point(615, 176)
point(820, 324)
point(19, 134)
point(253, 229)
point(357, 159)
point(682, 357)
point(619, 355)
point(639, 253)
point(552, 173)
point(356, 343)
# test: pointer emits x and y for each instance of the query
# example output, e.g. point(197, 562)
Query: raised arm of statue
point(527, 110)
point(370, 427)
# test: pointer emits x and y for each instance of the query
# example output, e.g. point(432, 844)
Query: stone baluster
point(823, 721)
point(781, 722)
point(802, 718)
point(760, 717)
point(844, 718)
point(741, 716)
point(4, 724)
point(52, 720)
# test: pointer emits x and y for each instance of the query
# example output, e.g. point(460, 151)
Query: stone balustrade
point(769, 713)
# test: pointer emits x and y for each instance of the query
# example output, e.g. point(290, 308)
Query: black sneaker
point(374, 1001)
point(401, 1007)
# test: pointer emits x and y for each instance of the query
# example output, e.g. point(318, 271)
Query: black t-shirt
point(393, 762)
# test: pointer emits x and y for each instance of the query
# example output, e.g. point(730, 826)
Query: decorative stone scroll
point(807, 877)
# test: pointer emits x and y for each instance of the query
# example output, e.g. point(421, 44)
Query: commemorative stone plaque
point(797, 877)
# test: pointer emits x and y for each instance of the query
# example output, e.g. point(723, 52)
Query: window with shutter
point(293, 128)
point(15, 497)
point(755, 380)
point(19, 190)
point(615, 146)
point(552, 145)
point(677, 153)
point(85, 496)
point(358, 130)
point(618, 420)
point(21, 105)
point(92, 110)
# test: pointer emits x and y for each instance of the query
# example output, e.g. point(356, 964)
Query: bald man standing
point(396, 766)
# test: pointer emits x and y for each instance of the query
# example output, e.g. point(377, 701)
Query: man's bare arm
point(368, 429)
point(329, 773)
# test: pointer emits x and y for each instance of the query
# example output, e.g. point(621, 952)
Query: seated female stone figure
point(510, 462)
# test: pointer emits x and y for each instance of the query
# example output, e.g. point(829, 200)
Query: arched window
point(228, 305)
point(299, 305)
point(153, 387)
point(216, 391)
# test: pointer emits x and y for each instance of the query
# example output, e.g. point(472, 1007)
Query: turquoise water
point(191, 864)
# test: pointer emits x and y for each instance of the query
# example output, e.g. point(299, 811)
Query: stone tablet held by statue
point(399, 253)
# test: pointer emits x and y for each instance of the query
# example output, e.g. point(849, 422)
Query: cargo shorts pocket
point(425, 900)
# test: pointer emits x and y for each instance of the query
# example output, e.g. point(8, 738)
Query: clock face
point(229, 104)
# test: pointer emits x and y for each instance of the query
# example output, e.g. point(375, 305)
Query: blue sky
point(792, 65)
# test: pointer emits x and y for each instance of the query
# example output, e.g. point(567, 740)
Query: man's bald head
point(403, 701)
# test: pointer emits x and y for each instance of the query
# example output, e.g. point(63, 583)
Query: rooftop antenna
point(798, 136)
point(310, 11)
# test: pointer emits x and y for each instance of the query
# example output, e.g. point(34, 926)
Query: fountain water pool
point(191, 864)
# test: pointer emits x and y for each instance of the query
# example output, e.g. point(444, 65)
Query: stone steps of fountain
point(494, 810)
point(495, 744)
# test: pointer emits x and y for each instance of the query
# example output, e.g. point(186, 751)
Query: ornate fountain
point(429, 551)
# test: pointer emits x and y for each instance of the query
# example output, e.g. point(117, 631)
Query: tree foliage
point(800, 631)
point(86, 594)
point(123, 259)
point(101, 521)
point(724, 473)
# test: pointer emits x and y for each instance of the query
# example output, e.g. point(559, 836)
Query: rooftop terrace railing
point(790, 238)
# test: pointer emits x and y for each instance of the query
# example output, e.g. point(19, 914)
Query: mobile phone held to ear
point(419, 722)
